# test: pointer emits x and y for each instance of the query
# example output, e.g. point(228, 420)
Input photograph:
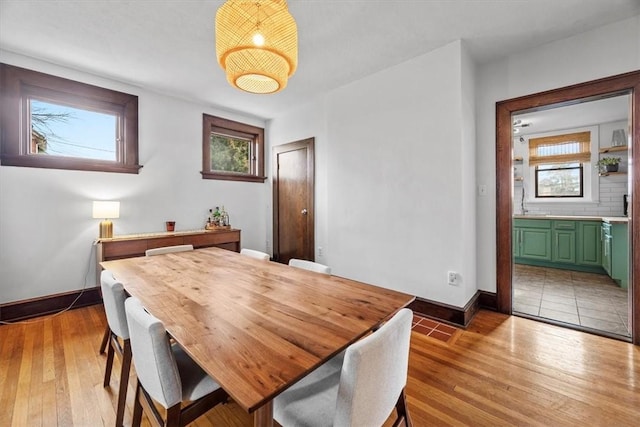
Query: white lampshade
point(104, 209)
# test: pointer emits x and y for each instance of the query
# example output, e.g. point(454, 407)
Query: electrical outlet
point(452, 278)
point(320, 252)
point(482, 190)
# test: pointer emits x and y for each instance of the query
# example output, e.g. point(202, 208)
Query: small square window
point(232, 150)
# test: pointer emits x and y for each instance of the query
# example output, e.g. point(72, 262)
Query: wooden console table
point(134, 245)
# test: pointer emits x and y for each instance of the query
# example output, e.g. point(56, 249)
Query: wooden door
point(293, 211)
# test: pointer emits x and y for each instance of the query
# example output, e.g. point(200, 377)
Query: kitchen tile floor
point(589, 300)
point(434, 329)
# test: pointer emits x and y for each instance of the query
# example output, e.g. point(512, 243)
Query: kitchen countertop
point(609, 219)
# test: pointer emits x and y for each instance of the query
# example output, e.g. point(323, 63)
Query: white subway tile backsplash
point(612, 189)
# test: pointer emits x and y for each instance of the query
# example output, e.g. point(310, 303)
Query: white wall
point(399, 171)
point(605, 51)
point(46, 229)
point(468, 170)
point(401, 219)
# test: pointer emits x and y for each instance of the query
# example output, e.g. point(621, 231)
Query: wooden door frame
point(619, 84)
point(309, 144)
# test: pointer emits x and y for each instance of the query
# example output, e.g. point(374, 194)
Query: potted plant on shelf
point(609, 164)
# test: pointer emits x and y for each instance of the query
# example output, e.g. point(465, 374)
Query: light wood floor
point(501, 371)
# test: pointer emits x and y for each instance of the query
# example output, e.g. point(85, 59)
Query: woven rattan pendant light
point(257, 44)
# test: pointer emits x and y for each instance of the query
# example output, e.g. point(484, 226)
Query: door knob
point(303, 212)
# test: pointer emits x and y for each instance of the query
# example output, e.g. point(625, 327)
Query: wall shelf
point(611, 173)
point(614, 149)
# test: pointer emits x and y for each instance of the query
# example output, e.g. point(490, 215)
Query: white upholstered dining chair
point(363, 392)
point(148, 252)
point(310, 265)
point(168, 249)
point(255, 254)
point(166, 374)
point(113, 296)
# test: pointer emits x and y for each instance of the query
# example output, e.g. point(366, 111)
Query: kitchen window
point(232, 150)
point(559, 180)
point(558, 164)
point(51, 122)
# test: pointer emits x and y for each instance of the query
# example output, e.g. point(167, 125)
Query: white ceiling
point(590, 112)
point(168, 46)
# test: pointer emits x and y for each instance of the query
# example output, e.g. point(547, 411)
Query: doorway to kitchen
point(533, 238)
point(566, 202)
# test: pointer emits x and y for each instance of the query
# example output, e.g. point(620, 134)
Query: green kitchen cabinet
point(589, 243)
point(571, 244)
point(564, 242)
point(532, 239)
point(615, 252)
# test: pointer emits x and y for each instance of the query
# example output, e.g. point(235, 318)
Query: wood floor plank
point(11, 343)
point(36, 389)
point(74, 379)
point(48, 365)
point(22, 401)
point(63, 401)
point(49, 407)
point(500, 371)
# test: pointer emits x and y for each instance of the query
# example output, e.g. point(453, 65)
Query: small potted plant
point(609, 164)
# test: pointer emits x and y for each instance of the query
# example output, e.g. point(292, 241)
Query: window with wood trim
point(558, 163)
point(232, 150)
point(51, 122)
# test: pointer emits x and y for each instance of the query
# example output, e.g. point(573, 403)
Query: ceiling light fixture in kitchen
point(518, 124)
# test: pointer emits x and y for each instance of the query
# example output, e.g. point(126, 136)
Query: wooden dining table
point(256, 327)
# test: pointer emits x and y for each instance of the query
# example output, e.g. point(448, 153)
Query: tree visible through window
point(232, 150)
point(229, 154)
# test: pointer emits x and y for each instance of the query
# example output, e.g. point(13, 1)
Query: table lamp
point(106, 210)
